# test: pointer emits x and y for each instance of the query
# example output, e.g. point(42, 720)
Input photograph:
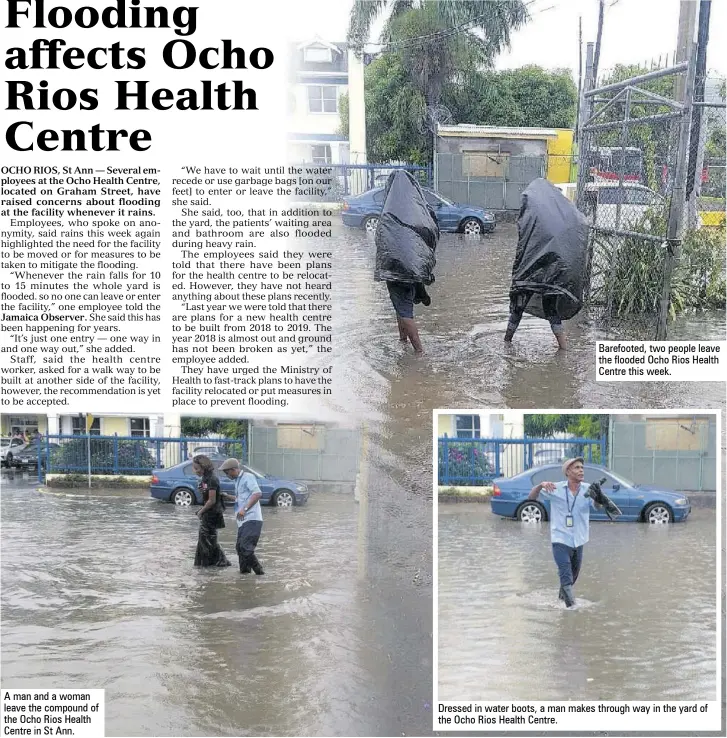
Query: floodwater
point(99, 591)
point(466, 362)
point(640, 630)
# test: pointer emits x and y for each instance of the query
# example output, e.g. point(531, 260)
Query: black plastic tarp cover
point(407, 234)
point(551, 251)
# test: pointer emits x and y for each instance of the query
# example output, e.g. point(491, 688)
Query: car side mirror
point(616, 486)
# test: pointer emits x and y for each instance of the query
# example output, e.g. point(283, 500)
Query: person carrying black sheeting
point(549, 271)
point(406, 239)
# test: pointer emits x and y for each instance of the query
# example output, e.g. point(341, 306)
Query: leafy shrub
point(468, 464)
point(132, 457)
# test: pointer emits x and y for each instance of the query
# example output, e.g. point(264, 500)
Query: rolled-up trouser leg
point(248, 535)
point(550, 307)
point(517, 308)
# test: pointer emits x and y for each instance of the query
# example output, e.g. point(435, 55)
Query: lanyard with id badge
point(569, 516)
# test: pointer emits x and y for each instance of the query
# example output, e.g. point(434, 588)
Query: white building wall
point(303, 121)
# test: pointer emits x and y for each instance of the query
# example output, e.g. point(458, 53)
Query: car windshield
point(435, 198)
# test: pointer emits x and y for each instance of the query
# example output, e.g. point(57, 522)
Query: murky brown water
point(466, 362)
point(640, 629)
point(99, 591)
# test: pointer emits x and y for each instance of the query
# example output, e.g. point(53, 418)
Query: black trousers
point(517, 308)
point(248, 534)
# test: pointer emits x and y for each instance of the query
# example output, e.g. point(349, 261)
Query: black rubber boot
point(560, 594)
point(568, 596)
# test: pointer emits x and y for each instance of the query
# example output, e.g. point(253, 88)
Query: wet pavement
point(642, 628)
point(99, 591)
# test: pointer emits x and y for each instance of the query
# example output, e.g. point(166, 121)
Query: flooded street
point(640, 629)
point(99, 591)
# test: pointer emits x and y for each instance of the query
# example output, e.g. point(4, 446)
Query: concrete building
point(104, 424)
point(490, 166)
point(322, 72)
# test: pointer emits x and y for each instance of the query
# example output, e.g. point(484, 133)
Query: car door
point(446, 215)
point(267, 486)
point(619, 493)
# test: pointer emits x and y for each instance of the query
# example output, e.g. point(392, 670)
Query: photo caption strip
point(578, 716)
point(661, 361)
point(34, 712)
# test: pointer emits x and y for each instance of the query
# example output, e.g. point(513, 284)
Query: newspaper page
point(362, 368)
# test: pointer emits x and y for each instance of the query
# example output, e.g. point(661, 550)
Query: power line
point(446, 33)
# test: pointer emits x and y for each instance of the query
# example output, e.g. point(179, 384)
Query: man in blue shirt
point(569, 523)
point(248, 514)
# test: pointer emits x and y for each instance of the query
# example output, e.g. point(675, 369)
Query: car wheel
point(284, 498)
point(471, 227)
point(183, 497)
point(370, 224)
point(531, 512)
point(658, 514)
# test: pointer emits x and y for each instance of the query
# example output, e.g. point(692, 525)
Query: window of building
point(78, 427)
point(467, 426)
point(139, 427)
point(485, 164)
point(321, 154)
point(317, 54)
point(322, 99)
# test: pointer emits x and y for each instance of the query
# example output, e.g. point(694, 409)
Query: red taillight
point(345, 205)
point(496, 491)
point(155, 479)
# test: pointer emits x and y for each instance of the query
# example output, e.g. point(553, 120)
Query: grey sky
point(635, 31)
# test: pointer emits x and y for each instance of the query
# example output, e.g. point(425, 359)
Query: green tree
point(193, 427)
point(393, 107)
point(580, 426)
point(438, 41)
point(530, 96)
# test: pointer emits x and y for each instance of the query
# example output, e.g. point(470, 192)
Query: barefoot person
point(570, 507)
point(210, 515)
point(406, 239)
point(248, 514)
point(549, 270)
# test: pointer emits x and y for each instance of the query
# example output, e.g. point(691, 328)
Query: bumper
point(351, 220)
point(681, 513)
point(506, 508)
point(301, 498)
point(160, 493)
point(489, 227)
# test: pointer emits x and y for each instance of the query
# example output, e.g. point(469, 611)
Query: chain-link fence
point(655, 247)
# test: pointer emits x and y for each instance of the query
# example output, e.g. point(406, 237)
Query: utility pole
point(597, 52)
point(580, 75)
point(686, 36)
point(697, 139)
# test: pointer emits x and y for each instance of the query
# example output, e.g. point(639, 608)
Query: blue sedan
point(363, 211)
point(178, 484)
point(638, 503)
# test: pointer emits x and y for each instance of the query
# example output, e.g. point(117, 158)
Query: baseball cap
point(567, 463)
point(229, 464)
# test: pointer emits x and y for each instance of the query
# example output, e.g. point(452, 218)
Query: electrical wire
point(446, 33)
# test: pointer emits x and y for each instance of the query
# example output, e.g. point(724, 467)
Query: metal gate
point(633, 152)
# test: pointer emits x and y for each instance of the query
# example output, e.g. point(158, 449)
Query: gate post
point(676, 206)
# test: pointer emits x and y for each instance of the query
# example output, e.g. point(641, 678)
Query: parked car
point(178, 484)
point(8, 448)
point(634, 199)
point(637, 502)
point(214, 453)
point(27, 456)
point(363, 211)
